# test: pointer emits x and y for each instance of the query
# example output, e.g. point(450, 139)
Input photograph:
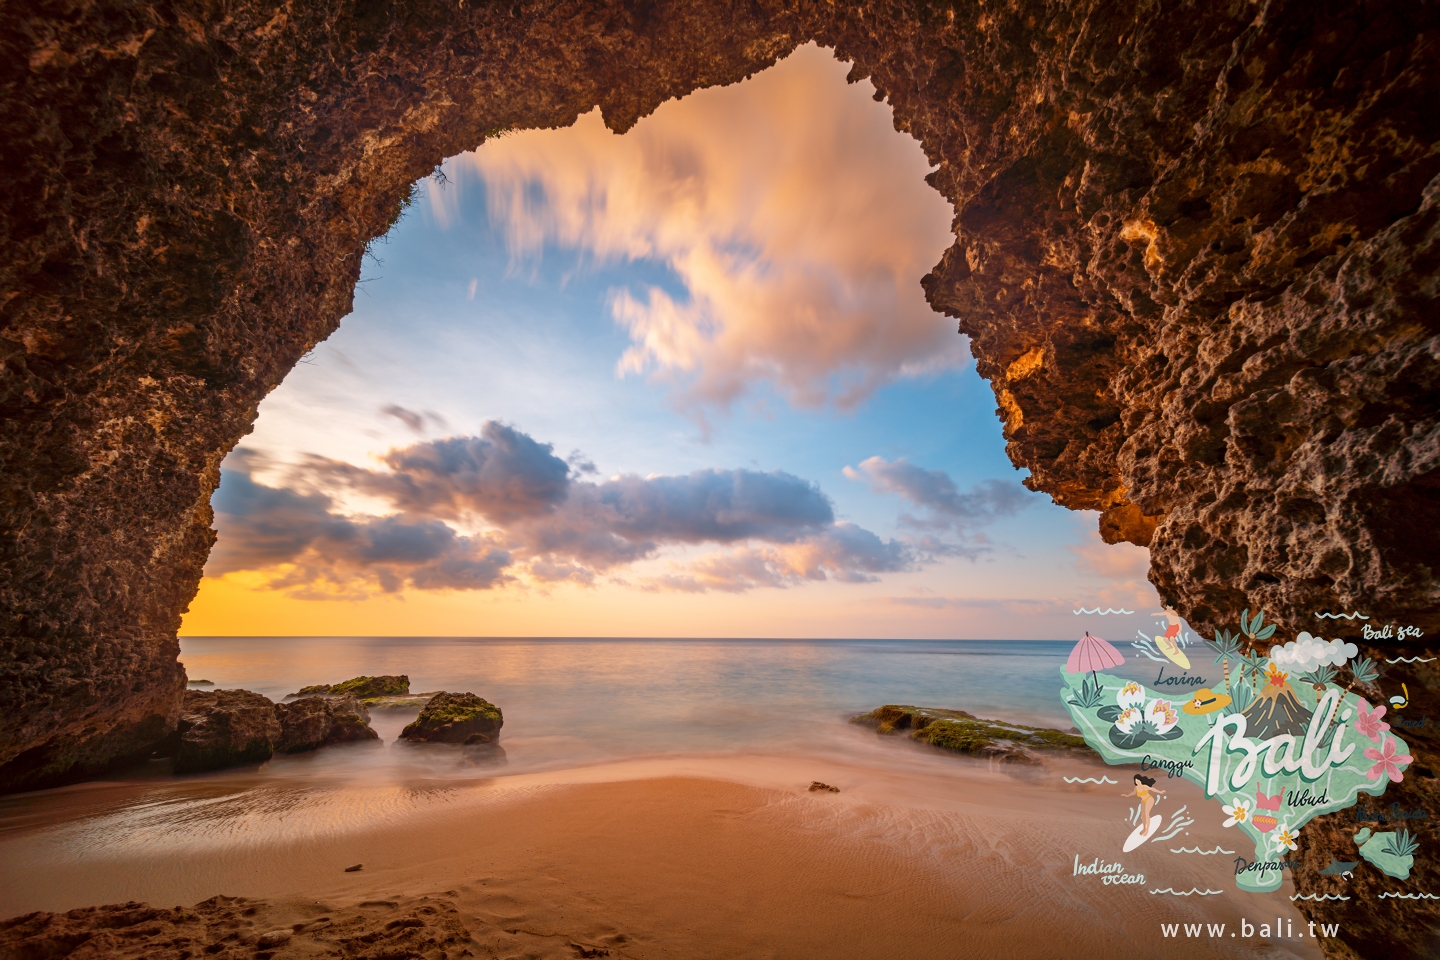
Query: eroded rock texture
point(315, 722)
point(224, 728)
point(1196, 254)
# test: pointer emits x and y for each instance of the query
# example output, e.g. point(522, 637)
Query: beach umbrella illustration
point(1092, 654)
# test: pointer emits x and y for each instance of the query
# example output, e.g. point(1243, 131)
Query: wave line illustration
point(1410, 660)
point(1106, 612)
point(1342, 616)
point(1319, 896)
point(1090, 780)
point(1410, 896)
point(1203, 893)
point(1204, 853)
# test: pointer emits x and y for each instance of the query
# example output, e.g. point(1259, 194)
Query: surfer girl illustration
point(1145, 790)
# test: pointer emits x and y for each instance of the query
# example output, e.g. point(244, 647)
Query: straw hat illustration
point(1206, 701)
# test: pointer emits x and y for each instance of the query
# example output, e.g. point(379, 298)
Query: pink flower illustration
point(1387, 761)
point(1368, 721)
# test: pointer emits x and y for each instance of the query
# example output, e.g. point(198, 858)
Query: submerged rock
point(962, 732)
point(224, 728)
point(365, 688)
point(456, 718)
point(316, 722)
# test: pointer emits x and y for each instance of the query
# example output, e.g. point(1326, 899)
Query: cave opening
point(727, 296)
point(1193, 253)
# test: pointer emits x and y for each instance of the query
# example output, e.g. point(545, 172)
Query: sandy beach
point(697, 858)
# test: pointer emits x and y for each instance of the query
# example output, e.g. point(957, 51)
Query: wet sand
point(708, 857)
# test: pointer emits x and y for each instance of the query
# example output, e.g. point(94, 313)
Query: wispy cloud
point(534, 515)
point(796, 270)
point(844, 552)
point(417, 422)
point(950, 518)
point(936, 492)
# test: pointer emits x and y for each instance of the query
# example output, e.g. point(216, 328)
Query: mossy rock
point(455, 718)
point(962, 732)
point(364, 688)
point(408, 701)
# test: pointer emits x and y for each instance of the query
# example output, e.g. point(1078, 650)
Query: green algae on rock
point(456, 718)
point(365, 688)
point(408, 701)
point(962, 732)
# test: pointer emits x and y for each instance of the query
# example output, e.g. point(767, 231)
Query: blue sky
point(731, 287)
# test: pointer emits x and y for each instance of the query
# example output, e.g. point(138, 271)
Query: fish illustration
point(1340, 868)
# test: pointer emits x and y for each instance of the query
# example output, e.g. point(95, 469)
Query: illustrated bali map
point(1286, 735)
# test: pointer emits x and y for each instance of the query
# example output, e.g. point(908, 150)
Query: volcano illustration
point(1276, 709)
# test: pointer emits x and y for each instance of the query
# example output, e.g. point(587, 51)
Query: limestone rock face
point(224, 728)
point(1196, 255)
point(456, 718)
point(316, 722)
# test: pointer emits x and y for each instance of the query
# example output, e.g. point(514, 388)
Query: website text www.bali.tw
point(1280, 930)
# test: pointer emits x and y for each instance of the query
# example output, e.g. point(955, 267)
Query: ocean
point(580, 701)
point(771, 712)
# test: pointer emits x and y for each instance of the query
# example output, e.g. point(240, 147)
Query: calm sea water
point(755, 711)
point(576, 700)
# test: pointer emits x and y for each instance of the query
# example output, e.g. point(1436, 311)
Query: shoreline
point(723, 856)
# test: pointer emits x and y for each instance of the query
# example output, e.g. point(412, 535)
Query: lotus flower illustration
point(1129, 719)
point(1130, 695)
point(1162, 715)
point(1136, 725)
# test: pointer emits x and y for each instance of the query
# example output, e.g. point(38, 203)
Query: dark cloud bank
point(539, 516)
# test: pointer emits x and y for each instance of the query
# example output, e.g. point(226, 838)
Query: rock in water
point(319, 721)
point(962, 732)
point(224, 728)
point(363, 687)
point(455, 718)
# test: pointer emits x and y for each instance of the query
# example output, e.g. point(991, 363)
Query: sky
point(680, 382)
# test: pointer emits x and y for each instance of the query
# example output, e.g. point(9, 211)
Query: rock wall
point(1195, 252)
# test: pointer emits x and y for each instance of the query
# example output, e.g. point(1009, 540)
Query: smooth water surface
point(588, 700)
point(570, 706)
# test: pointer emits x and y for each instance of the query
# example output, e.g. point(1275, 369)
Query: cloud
point(935, 491)
point(501, 475)
point(414, 422)
point(536, 517)
point(947, 527)
point(323, 553)
point(843, 552)
point(793, 269)
point(1112, 561)
point(1019, 607)
point(1306, 652)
